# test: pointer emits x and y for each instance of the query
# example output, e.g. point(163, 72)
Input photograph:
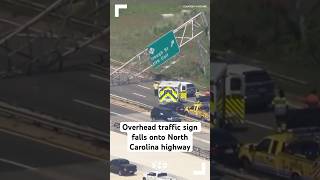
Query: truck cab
point(258, 87)
point(294, 154)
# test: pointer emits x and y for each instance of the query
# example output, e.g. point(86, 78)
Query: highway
point(46, 67)
point(64, 94)
point(72, 95)
point(259, 123)
point(120, 114)
point(141, 92)
point(22, 158)
point(181, 165)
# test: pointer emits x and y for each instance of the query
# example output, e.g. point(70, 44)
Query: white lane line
point(99, 77)
point(17, 164)
point(288, 78)
point(200, 139)
point(50, 144)
point(260, 125)
point(139, 95)
point(124, 116)
point(143, 87)
point(90, 104)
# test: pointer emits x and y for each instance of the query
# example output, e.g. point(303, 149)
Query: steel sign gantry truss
point(139, 64)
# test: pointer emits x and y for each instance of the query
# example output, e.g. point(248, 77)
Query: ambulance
point(174, 91)
point(227, 103)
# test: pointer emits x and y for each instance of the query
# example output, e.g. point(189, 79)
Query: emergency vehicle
point(174, 91)
point(227, 103)
point(294, 154)
point(198, 110)
point(168, 92)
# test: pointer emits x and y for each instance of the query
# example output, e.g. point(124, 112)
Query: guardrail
point(200, 153)
point(197, 151)
point(148, 108)
point(52, 123)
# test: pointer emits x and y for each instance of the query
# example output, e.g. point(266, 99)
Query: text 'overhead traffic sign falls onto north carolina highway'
point(163, 49)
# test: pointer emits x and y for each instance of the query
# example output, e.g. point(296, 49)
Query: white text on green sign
point(163, 49)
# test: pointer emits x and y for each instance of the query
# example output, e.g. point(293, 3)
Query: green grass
point(142, 23)
point(249, 28)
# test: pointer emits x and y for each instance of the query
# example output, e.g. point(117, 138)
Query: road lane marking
point(125, 116)
point(143, 87)
point(130, 108)
point(99, 77)
point(200, 139)
point(17, 164)
point(90, 105)
point(288, 78)
point(139, 95)
point(52, 144)
point(259, 125)
point(130, 100)
point(183, 116)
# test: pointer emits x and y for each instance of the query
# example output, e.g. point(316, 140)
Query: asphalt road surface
point(121, 114)
point(141, 92)
point(21, 158)
point(258, 125)
point(72, 95)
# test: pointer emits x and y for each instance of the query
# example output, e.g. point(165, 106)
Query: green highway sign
point(163, 49)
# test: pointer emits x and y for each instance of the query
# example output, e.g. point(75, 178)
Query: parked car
point(224, 146)
point(122, 167)
point(164, 114)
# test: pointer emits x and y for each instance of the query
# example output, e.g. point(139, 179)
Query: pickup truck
point(122, 167)
point(156, 175)
point(198, 110)
point(293, 154)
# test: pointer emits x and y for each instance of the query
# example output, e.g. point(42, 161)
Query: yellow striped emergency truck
point(171, 92)
point(294, 154)
point(227, 104)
